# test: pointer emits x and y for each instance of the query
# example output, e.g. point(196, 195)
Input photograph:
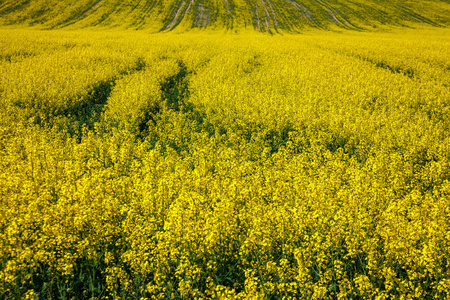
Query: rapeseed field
point(215, 166)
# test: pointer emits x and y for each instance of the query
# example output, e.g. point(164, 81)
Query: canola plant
point(209, 166)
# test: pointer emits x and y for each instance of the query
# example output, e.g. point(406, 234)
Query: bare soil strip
point(257, 15)
point(189, 8)
point(228, 7)
point(266, 16)
point(275, 21)
point(202, 18)
point(332, 12)
point(174, 20)
point(303, 10)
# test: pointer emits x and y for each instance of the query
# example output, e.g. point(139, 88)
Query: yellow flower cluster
point(138, 166)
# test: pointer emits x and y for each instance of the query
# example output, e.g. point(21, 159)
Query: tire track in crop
point(188, 9)
point(96, 4)
point(175, 98)
point(141, 13)
point(176, 88)
point(77, 17)
point(12, 9)
point(303, 10)
point(257, 16)
point(266, 17)
point(202, 16)
point(333, 14)
point(416, 16)
point(405, 71)
point(408, 71)
point(228, 7)
point(89, 112)
point(176, 18)
point(148, 8)
point(230, 16)
point(275, 21)
point(172, 23)
point(17, 56)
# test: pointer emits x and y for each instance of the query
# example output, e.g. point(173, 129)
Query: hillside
point(261, 15)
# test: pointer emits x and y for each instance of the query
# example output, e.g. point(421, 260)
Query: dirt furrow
point(330, 12)
point(174, 20)
point(303, 10)
point(266, 17)
point(333, 13)
point(189, 7)
point(257, 15)
point(202, 18)
point(228, 7)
